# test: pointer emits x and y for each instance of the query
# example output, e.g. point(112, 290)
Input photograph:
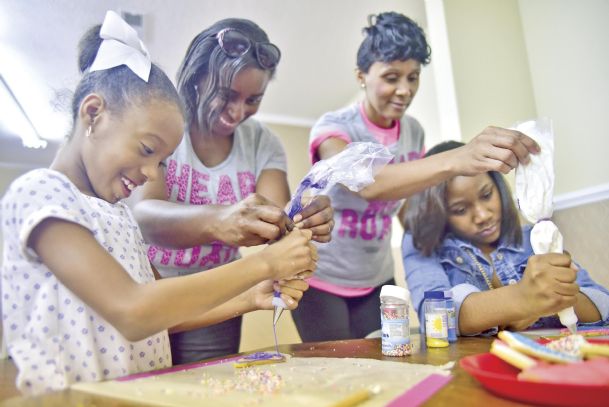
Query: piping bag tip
point(276, 314)
point(279, 307)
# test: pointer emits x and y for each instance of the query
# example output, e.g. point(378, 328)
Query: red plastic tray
point(499, 378)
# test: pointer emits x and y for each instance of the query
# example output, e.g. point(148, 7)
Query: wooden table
point(462, 390)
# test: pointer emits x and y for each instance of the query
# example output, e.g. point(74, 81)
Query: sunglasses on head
point(234, 43)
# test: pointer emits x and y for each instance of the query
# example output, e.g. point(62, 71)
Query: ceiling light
point(14, 119)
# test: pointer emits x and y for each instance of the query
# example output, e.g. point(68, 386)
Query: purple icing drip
point(296, 204)
point(261, 356)
point(275, 335)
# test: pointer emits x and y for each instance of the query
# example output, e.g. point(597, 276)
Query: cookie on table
point(259, 358)
point(529, 347)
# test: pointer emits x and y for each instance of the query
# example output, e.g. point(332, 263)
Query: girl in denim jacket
point(465, 235)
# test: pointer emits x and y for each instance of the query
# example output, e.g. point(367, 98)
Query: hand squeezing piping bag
point(534, 191)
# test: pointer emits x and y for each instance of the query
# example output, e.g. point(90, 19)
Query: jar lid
point(434, 295)
point(395, 292)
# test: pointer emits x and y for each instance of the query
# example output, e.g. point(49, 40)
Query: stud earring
point(363, 85)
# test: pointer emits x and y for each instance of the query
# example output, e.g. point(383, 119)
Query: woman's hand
point(252, 221)
point(291, 255)
point(494, 149)
point(291, 292)
point(548, 284)
point(317, 215)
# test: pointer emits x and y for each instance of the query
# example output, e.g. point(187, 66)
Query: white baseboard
point(581, 197)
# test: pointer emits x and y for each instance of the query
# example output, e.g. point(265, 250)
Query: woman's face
point(240, 101)
point(474, 210)
point(124, 151)
point(390, 88)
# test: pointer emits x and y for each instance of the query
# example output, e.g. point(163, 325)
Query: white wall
point(518, 59)
point(490, 64)
point(568, 49)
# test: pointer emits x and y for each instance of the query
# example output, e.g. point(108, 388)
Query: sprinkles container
point(436, 319)
point(395, 325)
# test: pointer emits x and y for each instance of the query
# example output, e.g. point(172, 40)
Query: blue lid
point(434, 295)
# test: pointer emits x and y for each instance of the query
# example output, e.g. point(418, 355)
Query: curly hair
point(390, 37)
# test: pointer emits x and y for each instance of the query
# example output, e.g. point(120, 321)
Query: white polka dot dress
point(53, 337)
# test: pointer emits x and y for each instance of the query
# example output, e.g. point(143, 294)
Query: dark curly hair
point(390, 37)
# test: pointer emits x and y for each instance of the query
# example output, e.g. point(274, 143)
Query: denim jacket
point(451, 267)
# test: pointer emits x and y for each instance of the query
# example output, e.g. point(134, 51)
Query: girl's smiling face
point(474, 210)
point(239, 102)
point(124, 151)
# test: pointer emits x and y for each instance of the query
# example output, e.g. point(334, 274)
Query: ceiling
point(318, 40)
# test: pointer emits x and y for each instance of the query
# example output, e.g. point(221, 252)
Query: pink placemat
point(422, 391)
point(177, 368)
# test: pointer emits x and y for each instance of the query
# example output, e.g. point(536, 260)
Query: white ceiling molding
point(285, 120)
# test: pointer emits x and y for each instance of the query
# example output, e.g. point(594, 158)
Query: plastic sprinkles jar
point(451, 317)
point(394, 321)
point(436, 319)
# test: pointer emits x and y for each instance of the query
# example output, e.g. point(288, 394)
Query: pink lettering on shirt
point(247, 183)
point(348, 223)
point(366, 227)
point(386, 226)
point(166, 254)
point(198, 190)
point(172, 180)
point(226, 193)
point(368, 230)
point(213, 257)
point(414, 155)
point(181, 253)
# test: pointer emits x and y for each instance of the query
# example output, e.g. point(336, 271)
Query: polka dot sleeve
point(39, 195)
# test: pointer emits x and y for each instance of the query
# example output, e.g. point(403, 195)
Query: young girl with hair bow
point(80, 299)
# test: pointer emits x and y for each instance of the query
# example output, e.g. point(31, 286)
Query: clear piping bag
point(534, 191)
point(354, 167)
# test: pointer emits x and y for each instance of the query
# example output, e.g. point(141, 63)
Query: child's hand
point(494, 149)
point(291, 292)
point(290, 256)
point(548, 284)
point(317, 215)
point(252, 221)
point(521, 324)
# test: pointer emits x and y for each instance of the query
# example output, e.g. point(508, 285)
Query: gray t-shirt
point(359, 254)
point(190, 182)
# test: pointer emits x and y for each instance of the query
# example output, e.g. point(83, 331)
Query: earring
point(363, 85)
point(89, 130)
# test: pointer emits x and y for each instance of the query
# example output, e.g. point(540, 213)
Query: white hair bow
point(121, 46)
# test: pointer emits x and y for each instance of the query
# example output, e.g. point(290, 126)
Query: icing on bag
point(354, 167)
point(534, 191)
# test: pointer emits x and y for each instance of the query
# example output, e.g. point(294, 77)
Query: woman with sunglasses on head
point(225, 185)
point(343, 299)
